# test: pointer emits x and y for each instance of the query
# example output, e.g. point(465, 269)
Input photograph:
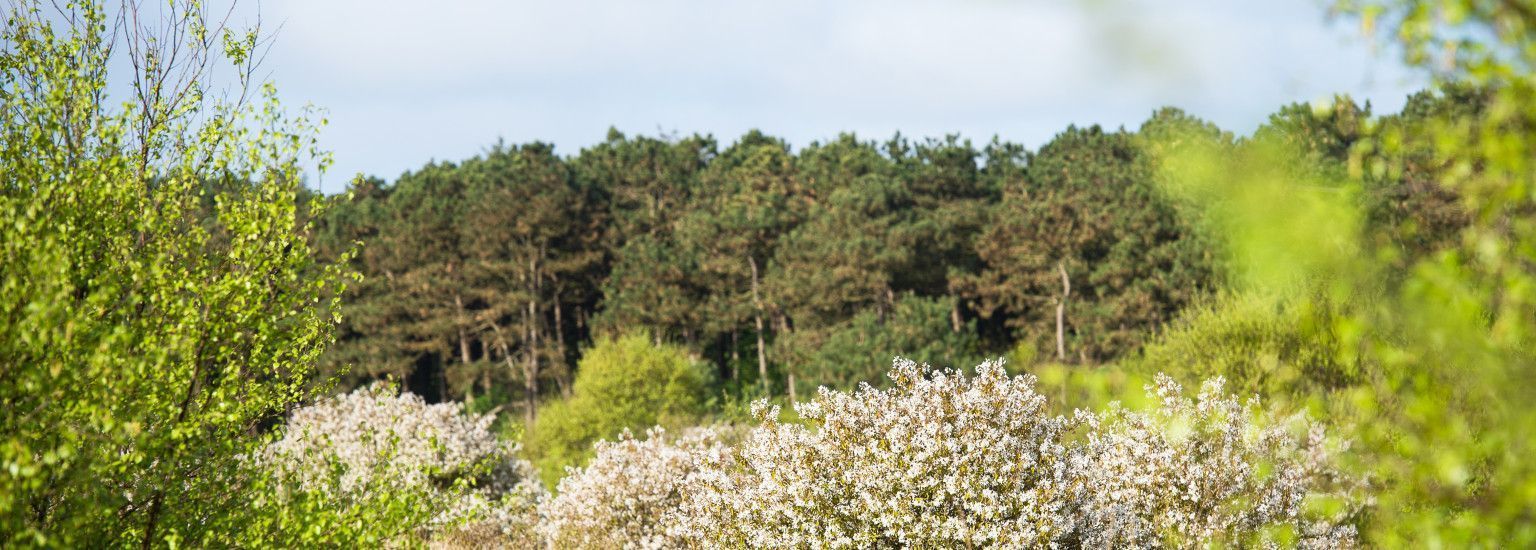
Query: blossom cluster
point(941, 459)
point(1203, 470)
point(938, 459)
point(630, 491)
point(375, 438)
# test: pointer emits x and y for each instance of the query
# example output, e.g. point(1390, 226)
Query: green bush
point(622, 383)
point(1278, 348)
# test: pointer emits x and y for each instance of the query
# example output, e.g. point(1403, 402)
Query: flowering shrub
point(939, 459)
point(625, 496)
point(945, 460)
point(1195, 471)
point(374, 439)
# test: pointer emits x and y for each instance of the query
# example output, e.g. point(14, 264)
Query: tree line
point(787, 269)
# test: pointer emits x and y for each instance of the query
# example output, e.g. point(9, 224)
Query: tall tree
point(1087, 217)
point(749, 198)
point(844, 257)
point(653, 285)
point(525, 243)
point(947, 189)
point(414, 273)
point(1410, 210)
point(647, 181)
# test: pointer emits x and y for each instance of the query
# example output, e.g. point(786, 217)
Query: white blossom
point(1199, 471)
point(944, 460)
point(623, 497)
point(377, 438)
point(937, 460)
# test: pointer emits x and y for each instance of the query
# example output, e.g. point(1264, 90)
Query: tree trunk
point(564, 378)
point(506, 357)
point(882, 304)
point(485, 372)
point(954, 316)
point(1061, 314)
point(531, 371)
point(789, 368)
point(458, 302)
point(735, 355)
point(757, 318)
point(531, 377)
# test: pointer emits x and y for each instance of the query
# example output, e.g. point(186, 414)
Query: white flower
point(375, 438)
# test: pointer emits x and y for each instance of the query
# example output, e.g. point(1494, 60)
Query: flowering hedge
point(941, 459)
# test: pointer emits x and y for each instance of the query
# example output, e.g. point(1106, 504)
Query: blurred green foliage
point(1408, 252)
point(1447, 420)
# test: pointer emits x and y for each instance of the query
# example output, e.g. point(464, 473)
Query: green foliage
point(653, 285)
point(168, 288)
point(476, 274)
point(1087, 210)
point(843, 258)
point(1409, 212)
point(276, 515)
point(1261, 346)
point(750, 255)
point(622, 383)
point(1457, 340)
point(1425, 246)
point(861, 348)
point(648, 181)
point(1321, 134)
point(152, 327)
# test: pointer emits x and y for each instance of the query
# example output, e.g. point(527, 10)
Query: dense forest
point(675, 342)
point(788, 270)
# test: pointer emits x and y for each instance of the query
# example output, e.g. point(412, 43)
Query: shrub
point(1201, 471)
point(624, 496)
point(1283, 347)
point(374, 440)
point(622, 383)
point(940, 461)
point(945, 460)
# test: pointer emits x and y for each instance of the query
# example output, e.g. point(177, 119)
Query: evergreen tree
point(526, 245)
point(1083, 255)
point(750, 197)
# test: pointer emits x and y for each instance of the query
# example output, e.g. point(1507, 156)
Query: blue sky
point(407, 81)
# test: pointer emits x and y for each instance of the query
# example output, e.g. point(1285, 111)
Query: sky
point(405, 82)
